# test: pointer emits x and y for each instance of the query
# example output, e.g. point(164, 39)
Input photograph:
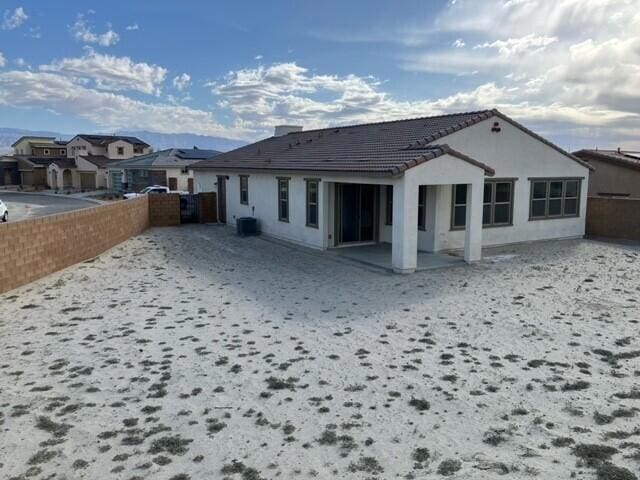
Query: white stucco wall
point(182, 178)
point(80, 142)
point(263, 196)
point(513, 154)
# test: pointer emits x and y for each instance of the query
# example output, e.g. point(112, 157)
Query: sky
point(568, 69)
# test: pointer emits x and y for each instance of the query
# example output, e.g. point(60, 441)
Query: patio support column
point(404, 241)
point(473, 231)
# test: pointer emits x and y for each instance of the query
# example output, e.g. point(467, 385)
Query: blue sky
point(570, 69)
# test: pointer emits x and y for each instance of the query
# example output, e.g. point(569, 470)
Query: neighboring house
point(28, 165)
point(88, 159)
point(169, 168)
point(617, 172)
point(114, 147)
point(428, 184)
point(39, 147)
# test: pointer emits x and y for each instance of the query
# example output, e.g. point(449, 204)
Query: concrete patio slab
point(379, 256)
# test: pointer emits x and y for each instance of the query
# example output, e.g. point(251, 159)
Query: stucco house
point(29, 163)
point(166, 167)
point(88, 158)
point(617, 172)
point(450, 182)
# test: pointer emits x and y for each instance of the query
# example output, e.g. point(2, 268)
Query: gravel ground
point(187, 353)
point(22, 205)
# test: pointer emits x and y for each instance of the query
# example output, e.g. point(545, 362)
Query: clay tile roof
point(623, 158)
point(384, 148)
point(102, 140)
point(98, 160)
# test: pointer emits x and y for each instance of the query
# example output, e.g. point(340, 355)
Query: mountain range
point(159, 141)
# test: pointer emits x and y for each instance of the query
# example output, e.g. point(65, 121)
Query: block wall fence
point(33, 248)
point(613, 217)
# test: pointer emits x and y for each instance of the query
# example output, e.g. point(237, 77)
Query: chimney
point(281, 130)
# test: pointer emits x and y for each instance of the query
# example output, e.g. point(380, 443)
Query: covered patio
point(380, 256)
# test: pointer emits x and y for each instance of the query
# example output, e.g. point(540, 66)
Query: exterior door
point(190, 185)
point(173, 184)
point(88, 181)
point(356, 213)
point(222, 199)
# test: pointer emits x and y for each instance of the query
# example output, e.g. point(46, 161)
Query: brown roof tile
point(384, 148)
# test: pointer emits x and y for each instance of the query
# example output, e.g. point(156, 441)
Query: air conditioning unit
point(247, 226)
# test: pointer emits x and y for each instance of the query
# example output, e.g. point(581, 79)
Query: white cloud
point(182, 81)
point(518, 46)
point(258, 57)
point(111, 73)
point(109, 111)
point(458, 43)
point(14, 19)
point(83, 32)
point(133, 27)
point(3, 60)
point(575, 62)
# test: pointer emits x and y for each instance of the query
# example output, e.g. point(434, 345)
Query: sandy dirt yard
point(188, 353)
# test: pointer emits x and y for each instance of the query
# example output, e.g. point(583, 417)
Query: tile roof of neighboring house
point(65, 162)
point(104, 140)
point(99, 161)
point(24, 137)
point(46, 145)
point(61, 142)
point(170, 158)
point(384, 148)
point(623, 158)
point(38, 161)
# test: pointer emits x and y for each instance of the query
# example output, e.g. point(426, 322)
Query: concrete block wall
point(164, 209)
point(613, 217)
point(32, 249)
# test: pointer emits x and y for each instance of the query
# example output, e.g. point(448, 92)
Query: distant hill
point(10, 135)
point(159, 141)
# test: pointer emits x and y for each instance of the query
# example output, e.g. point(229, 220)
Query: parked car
point(4, 212)
point(151, 189)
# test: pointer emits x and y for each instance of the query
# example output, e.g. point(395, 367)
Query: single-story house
point(449, 182)
point(84, 172)
point(617, 172)
point(34, 170)
point(166, 167)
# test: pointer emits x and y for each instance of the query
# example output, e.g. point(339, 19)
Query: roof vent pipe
point(281, 130)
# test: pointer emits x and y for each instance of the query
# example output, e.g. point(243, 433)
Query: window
point(422, 207)
point(312, 203)
point(388, 219)
point(244, 189)
point(459, 213)
point(137, 150)
point(554, 198)
point(120, 150)
point(497, 204)
point(63, 151)
point(46, 151)
point(283, 199)
point(497, 207)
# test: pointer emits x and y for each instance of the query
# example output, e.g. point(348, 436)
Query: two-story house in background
point(85, 165)
point(28, 166)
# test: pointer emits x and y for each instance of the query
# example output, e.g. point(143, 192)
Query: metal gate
point(189, 209)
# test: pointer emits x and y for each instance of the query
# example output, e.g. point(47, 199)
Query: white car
point(151, 189)
point(4, 213)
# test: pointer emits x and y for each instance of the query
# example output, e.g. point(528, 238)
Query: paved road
point(22, 205)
